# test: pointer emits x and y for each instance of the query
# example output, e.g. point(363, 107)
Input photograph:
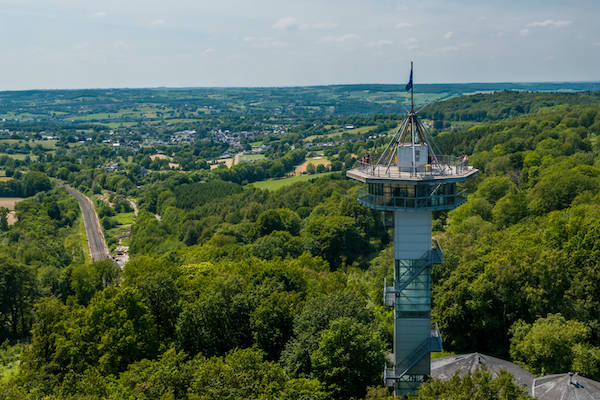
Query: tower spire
point(412, 90)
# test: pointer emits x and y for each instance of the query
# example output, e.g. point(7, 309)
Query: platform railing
point(440, 166)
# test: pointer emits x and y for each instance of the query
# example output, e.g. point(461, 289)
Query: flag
point(409, 85)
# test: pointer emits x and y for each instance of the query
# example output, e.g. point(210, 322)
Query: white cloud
point(596, 44)
point(290, 23)
point(210, 50)
point(338, 39)
point(448, 35)
point(524, 32)
point(455, 47)
point(264, 41)
point(158, 22)
point(549, 23)
point(402, 25)
point(99, 14)
point(286, 23)
point(380, 43)
point(81, 46)
point(321, 26)
point(412, 43)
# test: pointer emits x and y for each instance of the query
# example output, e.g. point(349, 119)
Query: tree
point(87, 279)
point(160, 294)
point(478, 385)
point(17, 296)
point(34, 182)
point(557, 189)
point(169, 375)
point(552, 345)
point(48, 327)
point(281, 219)
point(348, 359)
point(272, 322)
point(495, 187)
point(115, 330)
point(277, 244)
point(510, 209)
point(317, 314)
point(217, 321)
point(4, 219)
point(241, 374)
point(335, 238)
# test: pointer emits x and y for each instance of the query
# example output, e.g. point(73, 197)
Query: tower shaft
point(412, 301)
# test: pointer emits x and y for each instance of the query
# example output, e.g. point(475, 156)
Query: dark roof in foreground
point(565, 387)
point(551, 387)
point(446, 367)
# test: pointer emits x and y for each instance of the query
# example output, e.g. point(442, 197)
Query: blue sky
point(134, 43)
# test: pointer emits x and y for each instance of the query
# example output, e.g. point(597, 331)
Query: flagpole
point(412, 101)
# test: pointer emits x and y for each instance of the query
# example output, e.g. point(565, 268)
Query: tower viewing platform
point(408, 180)
point(429, 187)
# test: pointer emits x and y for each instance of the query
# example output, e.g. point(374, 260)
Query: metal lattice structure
point(410, 180)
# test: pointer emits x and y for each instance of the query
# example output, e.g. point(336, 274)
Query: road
point(93, 230)
point(134, 206)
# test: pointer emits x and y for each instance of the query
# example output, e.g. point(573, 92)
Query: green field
point(47, 144)
point(274, 184)
point(20, 156)
point(340, 131)
point(124, 218)
point(123, 223)
point(252, 157)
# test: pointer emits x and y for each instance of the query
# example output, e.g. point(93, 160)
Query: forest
point(235, 292)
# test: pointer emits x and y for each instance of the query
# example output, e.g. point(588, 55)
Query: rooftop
point(566, 387)
point(552, 387)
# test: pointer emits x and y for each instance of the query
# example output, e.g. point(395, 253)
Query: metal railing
point(406, 202)
point(440, 166)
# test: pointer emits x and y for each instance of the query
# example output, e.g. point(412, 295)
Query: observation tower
point(408, 181)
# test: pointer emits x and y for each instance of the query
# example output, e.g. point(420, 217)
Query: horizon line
point(295, 86)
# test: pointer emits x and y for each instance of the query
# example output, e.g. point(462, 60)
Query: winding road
point(93, 230)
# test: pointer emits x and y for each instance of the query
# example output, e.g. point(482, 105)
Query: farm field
point(20, 156)
point(119, 234)
point(251, 157)
point(300, 169)
point(9, 202)
point(124, 218)
point(160, 157)
point(274, 184)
